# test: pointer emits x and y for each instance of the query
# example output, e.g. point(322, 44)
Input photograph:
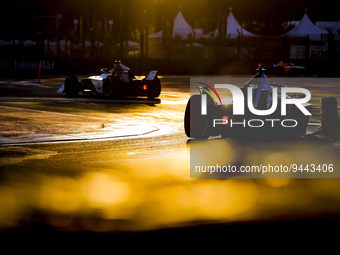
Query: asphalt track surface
point(120, 169)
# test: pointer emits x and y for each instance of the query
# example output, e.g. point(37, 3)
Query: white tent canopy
point(333, 26)
point(337, 27)
point(156, 35)
point(234, 29)
point(3, 43)
point(14, 42)
point(129, 43)
point(199, 34)
point(307, 28)
point(29, 43)
point(181, 27)
point(324, 25)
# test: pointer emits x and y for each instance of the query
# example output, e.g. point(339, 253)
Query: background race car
point(282, 68)
point(116, 82)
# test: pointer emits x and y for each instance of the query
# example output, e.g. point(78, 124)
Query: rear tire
point(154, 88)
point(71, 86)
point(329, 116)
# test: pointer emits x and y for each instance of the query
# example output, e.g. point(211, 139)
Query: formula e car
point(116, 82)
point(282, 68)
point(261, 115)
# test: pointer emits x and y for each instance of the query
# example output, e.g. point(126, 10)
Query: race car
point(116, 82)
point(282, 68)
point(206, 116)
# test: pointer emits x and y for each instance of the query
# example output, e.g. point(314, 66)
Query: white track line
point(136, 129)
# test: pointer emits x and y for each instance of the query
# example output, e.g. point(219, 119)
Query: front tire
point(154, 88)
point(329, 117)
point(71, 86)
point(195, 124)
point(111, 86)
